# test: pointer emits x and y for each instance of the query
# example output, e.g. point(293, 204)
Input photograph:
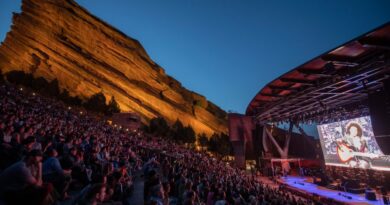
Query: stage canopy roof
point(336, 82)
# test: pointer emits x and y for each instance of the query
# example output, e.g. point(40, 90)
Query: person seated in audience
point(95, 194)
point(82, 149)
point(6, 152)
point(51, 166)
point(27, 146)
point(54, 173)
point(157, 195)
point(22, 181)
point(27, 172)
point(221, 199)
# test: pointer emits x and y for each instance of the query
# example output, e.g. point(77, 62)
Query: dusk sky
point(227, 50)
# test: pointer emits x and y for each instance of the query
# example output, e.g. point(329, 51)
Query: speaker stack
point(379, 105)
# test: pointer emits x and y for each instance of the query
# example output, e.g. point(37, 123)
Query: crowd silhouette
point(54, 154)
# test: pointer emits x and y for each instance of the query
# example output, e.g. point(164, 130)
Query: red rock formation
point(58, 39)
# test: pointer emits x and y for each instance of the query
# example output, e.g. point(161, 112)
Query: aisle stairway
point(137, 198)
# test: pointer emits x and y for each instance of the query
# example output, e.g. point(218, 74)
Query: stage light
point(33, 94)
point(81, 113)
point(69, 108)
point(21, 89)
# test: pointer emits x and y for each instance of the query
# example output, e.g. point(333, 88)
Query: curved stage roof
point(340, 77)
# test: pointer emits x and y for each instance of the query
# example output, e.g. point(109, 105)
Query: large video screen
point(351, 143)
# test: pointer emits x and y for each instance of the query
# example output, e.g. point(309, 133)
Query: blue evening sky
point(227, 50)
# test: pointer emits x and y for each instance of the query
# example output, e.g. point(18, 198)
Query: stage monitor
point(351, 143)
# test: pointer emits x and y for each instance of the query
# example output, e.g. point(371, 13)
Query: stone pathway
point(137, 198)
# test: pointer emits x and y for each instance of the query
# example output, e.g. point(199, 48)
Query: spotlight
point(21, 89)
point(33, 94)
point(81, 112)
point(69, 108)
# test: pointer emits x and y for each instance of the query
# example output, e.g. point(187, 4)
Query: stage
point(302, 184)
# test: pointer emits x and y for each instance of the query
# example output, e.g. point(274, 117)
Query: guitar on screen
point(346, 153)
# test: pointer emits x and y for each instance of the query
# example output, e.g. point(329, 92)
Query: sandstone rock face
point(58, 39)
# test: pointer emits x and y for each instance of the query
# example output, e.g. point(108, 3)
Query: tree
point(220, 144)
point(189, 136)
point(203, 140)
point(40, 84)
point(177, 131)
point(159, 126)
point(177, 125)
point(113, 106)
point(97, 103)
point(66, 98)
point(20, 78)
point(53, 89)
point(145, 128)
point(75, 101)
point(213, 143)
point(16, 77)
point(224, 147)
point(28, 79)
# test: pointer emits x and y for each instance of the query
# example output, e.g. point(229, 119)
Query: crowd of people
point(364, 177)
point(51, 153)
point(49, 150)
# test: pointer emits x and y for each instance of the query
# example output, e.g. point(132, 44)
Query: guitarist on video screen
point(352, 149)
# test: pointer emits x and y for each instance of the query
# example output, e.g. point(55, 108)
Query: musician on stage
point(355, 139)
point(355, 142)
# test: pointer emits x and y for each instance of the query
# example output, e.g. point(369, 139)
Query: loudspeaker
point(379, 105)
point(239, 153)
point(257, 135)
point(370, 195)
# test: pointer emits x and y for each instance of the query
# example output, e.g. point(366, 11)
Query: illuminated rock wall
point(58, 39)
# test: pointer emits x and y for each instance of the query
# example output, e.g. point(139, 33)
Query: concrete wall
point(240, 133)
